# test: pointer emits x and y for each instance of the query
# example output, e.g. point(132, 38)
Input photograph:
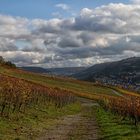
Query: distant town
point(126, 81)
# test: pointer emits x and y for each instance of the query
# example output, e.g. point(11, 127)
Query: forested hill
point(126, 71)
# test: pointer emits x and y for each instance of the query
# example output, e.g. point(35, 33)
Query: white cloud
point(136, 1)
point(62, 6)
point(105, 33)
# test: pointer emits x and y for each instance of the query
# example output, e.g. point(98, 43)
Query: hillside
point(35, 69)
point(37, 106)
point(67, 71)
point(61, 83)
point(68, 84)
point(125, 72)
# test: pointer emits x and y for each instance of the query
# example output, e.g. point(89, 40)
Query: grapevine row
point(17, 95)
point(126, 106)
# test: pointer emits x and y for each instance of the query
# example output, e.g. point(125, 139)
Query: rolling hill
point(125, 72)
point(35, 69)
point(32, 102)
point(67, 71)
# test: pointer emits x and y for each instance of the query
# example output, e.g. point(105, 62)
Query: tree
point(2, 60)
point(10, 64)
point(6, 63)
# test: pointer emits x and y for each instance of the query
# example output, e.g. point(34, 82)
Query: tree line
point(3, 62)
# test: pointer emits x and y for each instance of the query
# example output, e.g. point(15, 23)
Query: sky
point(69, 33)
point(47, 9)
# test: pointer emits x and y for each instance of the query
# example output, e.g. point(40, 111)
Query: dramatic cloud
point(106, 33)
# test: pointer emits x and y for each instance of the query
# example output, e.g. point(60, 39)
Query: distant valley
point(68, 71)
point(124, 73)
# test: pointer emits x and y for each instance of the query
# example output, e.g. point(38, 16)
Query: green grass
point(114, 128)
point(33, 122)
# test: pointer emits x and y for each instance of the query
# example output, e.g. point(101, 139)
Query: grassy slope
point(30, 124)
point(113, 127)
point(75, 86)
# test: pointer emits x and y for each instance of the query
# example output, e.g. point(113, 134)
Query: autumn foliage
point(127, 106)
point(18, 95)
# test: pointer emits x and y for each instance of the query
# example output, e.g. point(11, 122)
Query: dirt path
point(81, 126)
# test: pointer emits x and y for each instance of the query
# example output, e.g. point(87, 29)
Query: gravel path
point(80, 126)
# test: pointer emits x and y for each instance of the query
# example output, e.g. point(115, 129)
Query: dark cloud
point(70, 41)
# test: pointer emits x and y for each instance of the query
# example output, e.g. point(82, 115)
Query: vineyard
point(18, 95)
point(127, 106)
point(28, 99)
